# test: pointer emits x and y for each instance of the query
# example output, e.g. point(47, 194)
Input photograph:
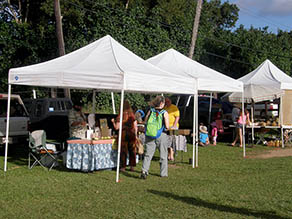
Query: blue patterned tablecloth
point(90, 157)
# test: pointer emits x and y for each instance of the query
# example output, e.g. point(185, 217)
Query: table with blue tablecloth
point(88, 155)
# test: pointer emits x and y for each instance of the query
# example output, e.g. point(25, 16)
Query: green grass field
point(225, 185)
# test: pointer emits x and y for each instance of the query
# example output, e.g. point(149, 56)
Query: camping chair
point(222, 130)
point(220, 126)
point(45, 154)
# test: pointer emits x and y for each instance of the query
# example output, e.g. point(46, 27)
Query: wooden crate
point(184, 131)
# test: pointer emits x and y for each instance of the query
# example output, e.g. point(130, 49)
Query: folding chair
point(220, 126)
point(45, 154)
point(288, 136)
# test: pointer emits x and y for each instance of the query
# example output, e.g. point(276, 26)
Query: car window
point(53, 106)
point(191, 103)
point(68, 105)
point(3, 108)
point(16, 109)
point(182, 101)
point(62, 105)
point(28, 106)
point(38, 108)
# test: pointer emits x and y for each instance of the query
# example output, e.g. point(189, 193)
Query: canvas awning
point(105, 65)
point(266, 82)
point(208, 79)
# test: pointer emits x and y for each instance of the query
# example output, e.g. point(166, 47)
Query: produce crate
point(184, 131)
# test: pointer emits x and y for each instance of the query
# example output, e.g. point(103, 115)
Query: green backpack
point(155, 124)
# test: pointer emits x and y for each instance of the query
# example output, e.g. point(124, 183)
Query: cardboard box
point(184, 131)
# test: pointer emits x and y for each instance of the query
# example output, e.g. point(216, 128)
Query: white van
point(19, 120)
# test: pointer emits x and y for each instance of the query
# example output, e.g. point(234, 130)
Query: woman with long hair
point(129, 133)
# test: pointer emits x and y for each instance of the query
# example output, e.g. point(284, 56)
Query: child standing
point(204, 137)
point(214, 132)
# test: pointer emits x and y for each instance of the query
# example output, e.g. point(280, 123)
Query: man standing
point(173, 113)
point(235, 113)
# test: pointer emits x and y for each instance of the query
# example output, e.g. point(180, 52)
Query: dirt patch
point(275, 152)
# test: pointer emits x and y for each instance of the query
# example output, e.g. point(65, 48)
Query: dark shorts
point(238, 125)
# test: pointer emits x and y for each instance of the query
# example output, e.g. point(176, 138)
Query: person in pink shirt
point(239, 125)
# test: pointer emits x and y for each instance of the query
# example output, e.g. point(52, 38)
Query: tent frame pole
point(244, 123)
point(252, 122)
point(194, 132)
point(197, 131)
point(113, 103)
point(210, 109)
point(195, 128)
point(120, 131)
point(93, 101)
point(7, 127)
point(281, 120)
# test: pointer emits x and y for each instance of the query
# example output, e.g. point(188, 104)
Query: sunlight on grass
point(225, 185)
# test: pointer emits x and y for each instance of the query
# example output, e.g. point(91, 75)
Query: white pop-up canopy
point(208, 79)
point(102, 65)
point(266, 82)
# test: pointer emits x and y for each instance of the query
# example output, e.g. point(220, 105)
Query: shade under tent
point(102, 65)
point(208, 80)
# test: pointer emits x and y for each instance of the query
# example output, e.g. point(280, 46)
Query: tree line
point(146, 27)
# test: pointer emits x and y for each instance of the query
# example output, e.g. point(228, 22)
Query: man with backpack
point(157, 122)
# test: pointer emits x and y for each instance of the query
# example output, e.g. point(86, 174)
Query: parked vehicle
point(185, 104)
point(51, 115)
point(19, 120)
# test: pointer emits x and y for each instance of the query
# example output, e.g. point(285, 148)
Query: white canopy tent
point(266, 82)
point(208, 79)
point(175, 62)
point(102, 65)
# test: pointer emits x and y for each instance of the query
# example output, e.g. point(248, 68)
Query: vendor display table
point(88, 155)
point(261, 131)
point(264, 130)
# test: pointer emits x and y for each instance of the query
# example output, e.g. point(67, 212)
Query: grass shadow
point(128, 174)
point(213, 206)
point(17, 154)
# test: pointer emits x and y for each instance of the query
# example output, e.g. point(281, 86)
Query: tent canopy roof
point(266, 82)
point(105, 65)
point(208, 79)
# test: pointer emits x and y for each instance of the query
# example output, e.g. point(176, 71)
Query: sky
point(276, 14)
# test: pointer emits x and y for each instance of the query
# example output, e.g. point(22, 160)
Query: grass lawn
point(224, 186)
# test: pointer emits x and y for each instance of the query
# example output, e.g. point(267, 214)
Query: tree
point(195, 27)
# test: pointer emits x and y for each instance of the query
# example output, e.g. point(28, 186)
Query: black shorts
point(238, 125)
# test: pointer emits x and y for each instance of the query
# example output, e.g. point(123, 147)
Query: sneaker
point(143, 175)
